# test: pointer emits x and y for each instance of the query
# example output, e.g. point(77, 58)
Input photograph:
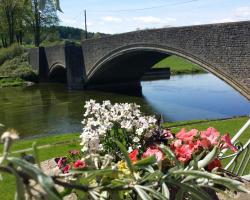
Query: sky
point(118, 16)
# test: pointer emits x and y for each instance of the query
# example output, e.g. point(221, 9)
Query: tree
point(39, 19)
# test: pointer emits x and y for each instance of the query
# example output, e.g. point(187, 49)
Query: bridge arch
point(141, 57)
point(58, 73)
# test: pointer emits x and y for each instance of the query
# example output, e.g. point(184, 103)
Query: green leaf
point(146, 161)
point(35, 154)
point(155, 176)
point(165, 190)
point(142, 193)
point(170, 154)
point(209, 157)
point(154, 193)
point(194, 190)
point(20, 190)
point(102, 172)
point(45, 181)
point(227, 182)
point(126, 156)
point(180, 194)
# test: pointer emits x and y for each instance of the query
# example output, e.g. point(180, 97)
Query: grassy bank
point(59, 145)
point(14, 67)
point(179, 65)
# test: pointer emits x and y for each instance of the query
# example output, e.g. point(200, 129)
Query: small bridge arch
point(57, 73)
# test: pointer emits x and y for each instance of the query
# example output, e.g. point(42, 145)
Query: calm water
point(51, 108)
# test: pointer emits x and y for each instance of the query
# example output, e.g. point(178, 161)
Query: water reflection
point(51, 108)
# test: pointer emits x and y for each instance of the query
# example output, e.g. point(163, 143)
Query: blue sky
point(108, 16)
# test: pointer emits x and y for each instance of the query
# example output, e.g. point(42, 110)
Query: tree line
point(20, 18)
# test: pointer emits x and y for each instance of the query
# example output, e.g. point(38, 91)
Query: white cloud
point(112, 19)
point(154, 20)
point(243, 12)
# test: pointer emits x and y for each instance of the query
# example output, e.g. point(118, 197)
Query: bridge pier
point(46, 60)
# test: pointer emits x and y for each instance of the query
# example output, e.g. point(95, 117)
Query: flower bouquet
point(126, 155)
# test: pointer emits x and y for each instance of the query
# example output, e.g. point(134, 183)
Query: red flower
point(211, 134)
point(154, 151)
point(215, 163)
point(184, 153)
point(186, 136)
point(66, 169)
point(133, 155)
point(228, 144)
point(79, 164)
point(205, 143)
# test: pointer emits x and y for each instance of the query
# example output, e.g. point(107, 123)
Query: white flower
point(100, 118)
point(139, 131)
point(12, 134)
point(136, 140)
point(130, 149)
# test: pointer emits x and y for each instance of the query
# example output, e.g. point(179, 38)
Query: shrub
point(10, 52)
point(18, 67)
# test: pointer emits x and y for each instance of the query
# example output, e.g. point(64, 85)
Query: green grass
point(11, 82)
point(61, 144)
point(179, 65)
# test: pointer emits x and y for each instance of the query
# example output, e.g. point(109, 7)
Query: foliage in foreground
point(158, 169)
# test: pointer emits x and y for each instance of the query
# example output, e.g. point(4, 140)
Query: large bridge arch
point(111, 68)
point(222, 49)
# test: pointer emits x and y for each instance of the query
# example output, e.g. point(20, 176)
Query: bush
point(18, 67)
point(10, 52)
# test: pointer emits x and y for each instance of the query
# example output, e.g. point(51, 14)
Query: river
point(51, 109)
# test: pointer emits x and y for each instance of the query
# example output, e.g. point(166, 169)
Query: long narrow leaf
point(194, 191)
point(142, 193)
point(208, 158)
point(227, 182)
point(146, 161)
point(126, 157)
point(45, 181)
point(165, 190)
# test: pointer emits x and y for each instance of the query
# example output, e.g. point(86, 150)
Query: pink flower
point(154, 151)
point(79, 164)
point(133, 155)
point(177, 143)
point(167, 134)
point(74, 152)
point(66, 169)
point(184, 153)
point(228, 144)
point(215, 163)
point(211, 134)
point(61, 162)
point(186, 136)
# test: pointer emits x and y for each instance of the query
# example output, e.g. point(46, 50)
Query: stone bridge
point(122, 59)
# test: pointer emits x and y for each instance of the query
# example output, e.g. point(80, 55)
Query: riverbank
point(59, 145)
point(179, 65)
